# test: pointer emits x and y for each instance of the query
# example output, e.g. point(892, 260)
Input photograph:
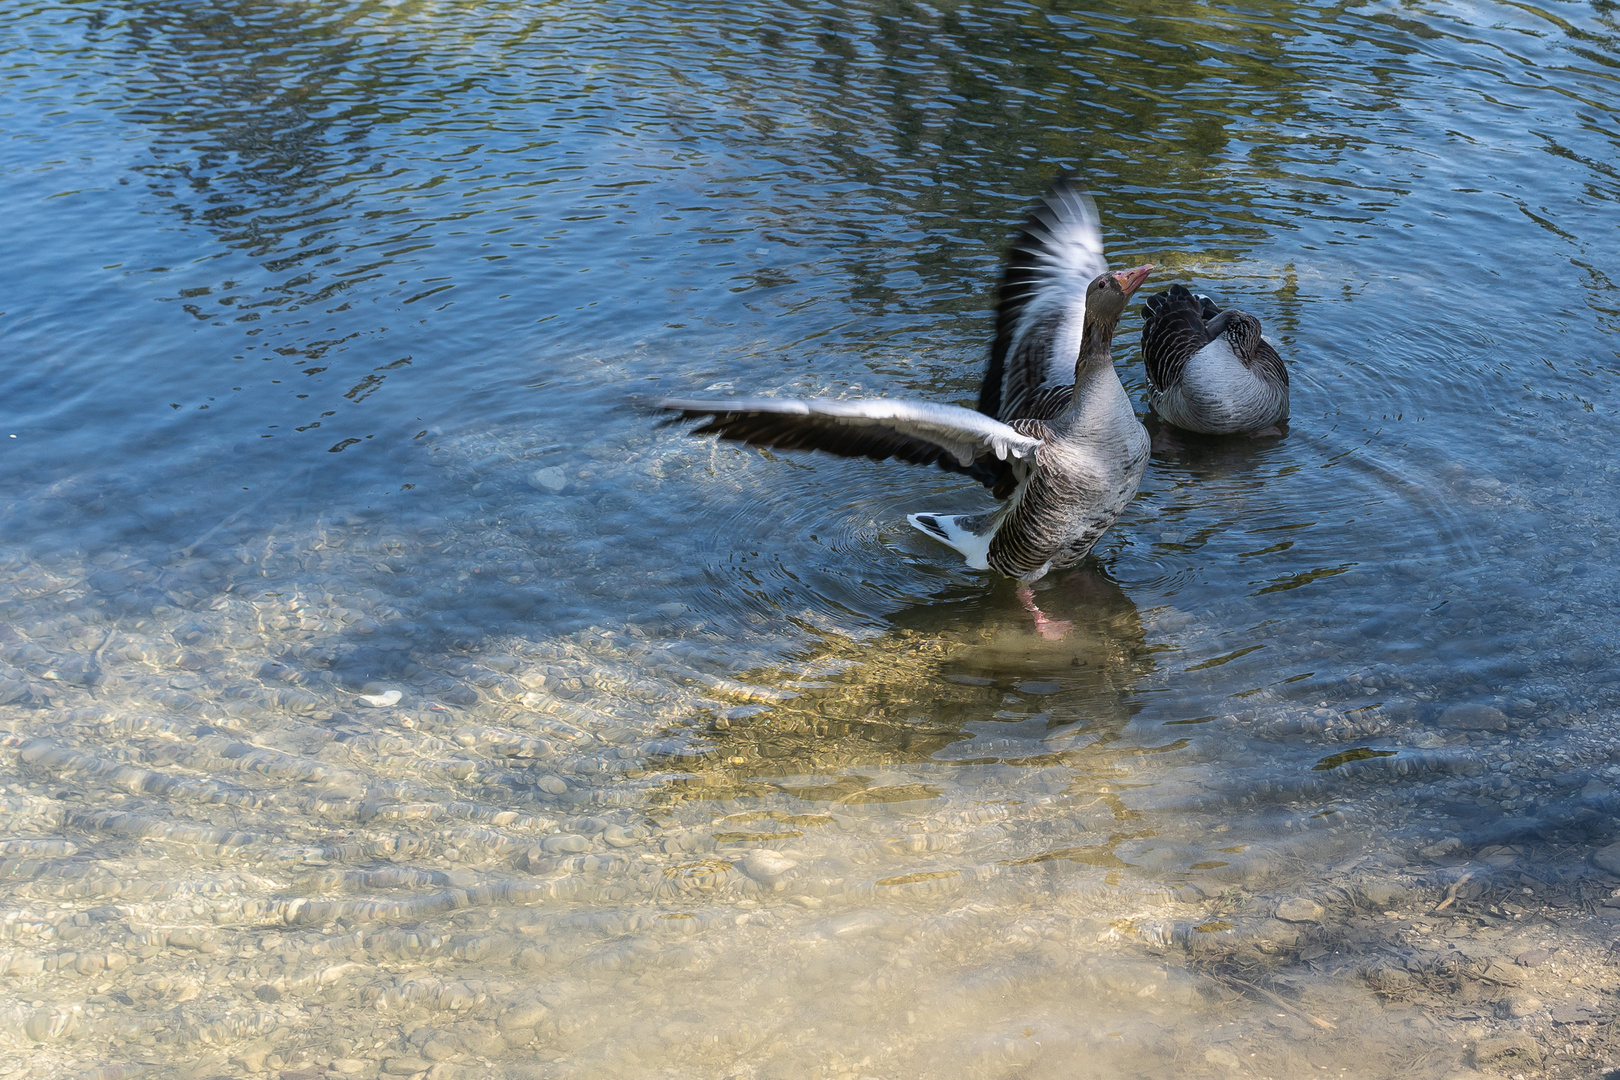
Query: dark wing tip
point(1068, 181)
point(1065, 206)
point(661, 411)
point(789, 424)
point(1067, 192)
point(675, 411)
point(1177, 301)
point(1173, 329)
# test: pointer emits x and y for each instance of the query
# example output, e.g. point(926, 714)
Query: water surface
point(383, 693)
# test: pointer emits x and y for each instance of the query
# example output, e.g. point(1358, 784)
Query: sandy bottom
point(261, 819)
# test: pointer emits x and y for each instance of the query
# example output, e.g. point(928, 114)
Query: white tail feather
point(948, 530)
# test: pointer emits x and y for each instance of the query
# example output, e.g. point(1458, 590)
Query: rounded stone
point(1441, 848)
point(1608, 858)
point(1533, 957)
point(565, 844)
point(439, 1048)
point(549, 480)
point(1385, 895)
point(767, 867)
point(618, 836)
point(1299, 909)
point(524, 1016)
point(1474, 718)
point(1388, 978)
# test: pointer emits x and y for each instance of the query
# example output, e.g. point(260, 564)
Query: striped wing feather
point(1042, 304)
point(922, 433)
point(1268, 365)
point(1173, 330)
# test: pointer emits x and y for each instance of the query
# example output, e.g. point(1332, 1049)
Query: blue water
point(327, 333)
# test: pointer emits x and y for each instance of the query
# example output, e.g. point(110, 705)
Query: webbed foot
point(1049, 628)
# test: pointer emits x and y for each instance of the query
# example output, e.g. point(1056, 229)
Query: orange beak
point(1131, 280)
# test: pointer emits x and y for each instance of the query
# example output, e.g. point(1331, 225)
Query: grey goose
point(1211, 370)
point(1064, 452)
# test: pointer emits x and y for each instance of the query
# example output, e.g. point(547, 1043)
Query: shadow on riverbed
point(964, 681)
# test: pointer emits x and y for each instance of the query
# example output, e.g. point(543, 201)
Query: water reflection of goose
point(1064, 452)
point(953, 682)
point(1108, 642)
point(1211, 370)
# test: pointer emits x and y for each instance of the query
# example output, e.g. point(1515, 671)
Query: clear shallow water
point(705, 764)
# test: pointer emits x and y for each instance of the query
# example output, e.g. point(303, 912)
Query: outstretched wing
point(1173, 329)
point(956, 439)
point(1042, 306)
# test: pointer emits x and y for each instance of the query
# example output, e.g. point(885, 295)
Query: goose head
point(1106, 298)
point(1108, 293)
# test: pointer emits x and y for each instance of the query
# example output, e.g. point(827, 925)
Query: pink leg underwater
point(1050, 629)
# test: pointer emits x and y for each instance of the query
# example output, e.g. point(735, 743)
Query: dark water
point(382, 691)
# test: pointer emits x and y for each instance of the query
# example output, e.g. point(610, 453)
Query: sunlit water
point(382, 691)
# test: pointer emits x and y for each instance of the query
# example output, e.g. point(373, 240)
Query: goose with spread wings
point(1063, 480)
point(1040, 310)
point(1211, 370)
point(1063, 476)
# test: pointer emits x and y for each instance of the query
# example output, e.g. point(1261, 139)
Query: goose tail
point(959, 533)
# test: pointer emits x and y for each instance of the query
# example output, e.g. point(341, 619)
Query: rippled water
point(382, 692)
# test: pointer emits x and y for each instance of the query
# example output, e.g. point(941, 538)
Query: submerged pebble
point(767, 867)
point(1474, 718)
point(1300, 910)
point(1608, 858)
point(550, 479)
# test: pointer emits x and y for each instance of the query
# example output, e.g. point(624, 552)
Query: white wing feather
point(965, 434)
point(1066, 258)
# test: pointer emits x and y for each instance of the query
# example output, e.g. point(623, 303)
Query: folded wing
point(953, 438)
point(1041, 307)
point(1173, 330)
